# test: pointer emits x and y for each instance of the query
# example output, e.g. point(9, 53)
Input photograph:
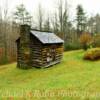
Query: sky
point(91, 7)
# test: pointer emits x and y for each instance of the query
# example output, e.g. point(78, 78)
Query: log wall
point(39, 53)
point(55, 56)
point(36, 52)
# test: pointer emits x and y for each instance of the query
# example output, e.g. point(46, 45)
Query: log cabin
point(38, 49)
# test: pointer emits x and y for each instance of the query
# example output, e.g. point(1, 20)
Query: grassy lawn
point(72, 79)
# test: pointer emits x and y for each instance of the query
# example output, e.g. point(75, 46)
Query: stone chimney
point(24, 29)
point(24, 33)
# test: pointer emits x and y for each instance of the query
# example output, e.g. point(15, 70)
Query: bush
point(92, 54)
point(72, 46)
point(86, 40)
point(4, 61)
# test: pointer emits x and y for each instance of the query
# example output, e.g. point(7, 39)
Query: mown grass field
point(72, 79)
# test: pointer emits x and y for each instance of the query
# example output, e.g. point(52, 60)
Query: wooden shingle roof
point(47, 37)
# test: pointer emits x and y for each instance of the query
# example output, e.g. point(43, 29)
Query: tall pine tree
point(21, 15)
point(81, 20)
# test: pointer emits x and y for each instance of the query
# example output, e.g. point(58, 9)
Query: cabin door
point(51, 55)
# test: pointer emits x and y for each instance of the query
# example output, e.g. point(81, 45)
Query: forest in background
point(59, 22)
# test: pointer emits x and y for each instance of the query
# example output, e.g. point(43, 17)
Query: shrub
point(92, 54)
point(72, 46)
point(97, 40)
point(86, 40)
point(4, 60)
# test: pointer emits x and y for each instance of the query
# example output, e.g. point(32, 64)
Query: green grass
point(72, 75)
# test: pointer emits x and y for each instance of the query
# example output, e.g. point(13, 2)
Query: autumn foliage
point(92, 54)
point(1, 53)
point(86, 40)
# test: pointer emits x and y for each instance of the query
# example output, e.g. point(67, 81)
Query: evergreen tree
point(81, 20)
point(97, 24)
point(22, 15)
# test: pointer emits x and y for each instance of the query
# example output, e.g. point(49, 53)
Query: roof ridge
point(41, 30)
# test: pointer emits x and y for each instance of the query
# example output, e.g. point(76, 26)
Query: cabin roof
point(47, 37)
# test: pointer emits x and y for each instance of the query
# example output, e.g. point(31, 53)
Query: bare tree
point(5, 28)
point(63, 19)
point(7, 41)
point(47, 26)
point(40, 17)
point(21, 15)
point(60, 10)
point(55, 23)
point(0, 24)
